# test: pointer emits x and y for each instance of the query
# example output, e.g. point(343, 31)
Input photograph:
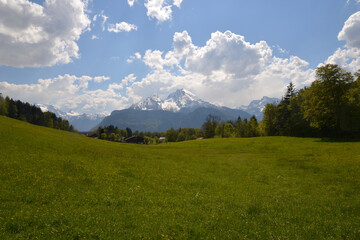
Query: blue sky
point(98, 56)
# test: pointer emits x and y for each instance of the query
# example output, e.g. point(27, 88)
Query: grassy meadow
point(60, 185)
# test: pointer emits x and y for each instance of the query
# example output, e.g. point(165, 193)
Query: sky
point(96, 56)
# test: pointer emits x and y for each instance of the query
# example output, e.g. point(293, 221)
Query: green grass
point(59, 185)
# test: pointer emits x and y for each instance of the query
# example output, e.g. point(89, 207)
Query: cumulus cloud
point(230, 53)
point(161, 10)
point(348, 56)
point(69, 93)
point(351, 31)
point(122, 27)
point(33, 35)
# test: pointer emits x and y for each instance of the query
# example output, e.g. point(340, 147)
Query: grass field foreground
point(60, 185)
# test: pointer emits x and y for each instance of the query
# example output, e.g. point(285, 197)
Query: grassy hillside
point(59, 185)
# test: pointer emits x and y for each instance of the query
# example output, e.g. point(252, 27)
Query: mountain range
point(82, 122)
point(181, 109)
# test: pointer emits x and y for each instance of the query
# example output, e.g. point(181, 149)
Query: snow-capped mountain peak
point(256, 107)
point(180, 100)
point(150, 103)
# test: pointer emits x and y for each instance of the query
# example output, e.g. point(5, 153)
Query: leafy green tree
point(3, 106)
point(12, 109)
point(270, 120)
point(228, 130)
point(171, 135)
point(128, 132)
point(325, 100)
point(156, 140)
point(252, 127)
point(219, 130)
point(103, 136)
point(210, 125)
point(112, 137)
point(181, 137)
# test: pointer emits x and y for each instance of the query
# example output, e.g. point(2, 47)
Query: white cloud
point(122, 27)
point(348, 56)
point(131, 2)
point(154, 59)
point(178, 3)
point(104, 19)
point(160, 9)
point(93, 37)
point(32, 35)
point(69, 93)
point(101, 79)
point(124, 83)
point(351, 31)
point(136, 55)
point(230, 53)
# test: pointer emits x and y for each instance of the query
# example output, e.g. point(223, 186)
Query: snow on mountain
point(257, 107)
point(50, 108)
point(150, 103)
point(82, 122)
point(181, 100)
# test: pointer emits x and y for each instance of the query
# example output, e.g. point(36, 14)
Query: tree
point(181, 137)
point(228, 130)
point(3, 106)
point(325, 103)
point(103, 136)
point(210, 125)
point(128, 132)
point(284, 112)
point(253, 127)
point(270, 120)
point(12, 109)
point(112, 137)
point(219, 130)
point(171, 135)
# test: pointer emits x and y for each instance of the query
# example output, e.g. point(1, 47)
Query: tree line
point(329, 108)
point(32, 114)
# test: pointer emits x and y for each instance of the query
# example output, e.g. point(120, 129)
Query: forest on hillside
point(32, 114)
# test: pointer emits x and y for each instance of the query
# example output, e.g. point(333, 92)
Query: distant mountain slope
point(181, 109)
point(160, 120)
point(256, 107)
point(82, 122)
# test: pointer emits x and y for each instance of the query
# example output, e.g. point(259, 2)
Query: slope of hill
point(59, 185)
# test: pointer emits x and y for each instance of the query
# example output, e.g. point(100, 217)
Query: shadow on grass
point(338, 140)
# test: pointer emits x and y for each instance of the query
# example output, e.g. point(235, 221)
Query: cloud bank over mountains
point(226, 70)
